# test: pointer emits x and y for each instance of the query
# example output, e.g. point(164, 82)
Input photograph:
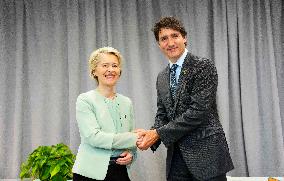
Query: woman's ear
point(94, 73)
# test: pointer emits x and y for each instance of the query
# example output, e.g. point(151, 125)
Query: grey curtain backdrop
point(45, 45)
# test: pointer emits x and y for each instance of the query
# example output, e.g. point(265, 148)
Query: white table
point(252, 178)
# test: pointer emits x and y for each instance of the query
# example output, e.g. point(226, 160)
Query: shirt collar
point(181, 59)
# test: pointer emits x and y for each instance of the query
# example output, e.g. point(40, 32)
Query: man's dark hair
point(168, 22)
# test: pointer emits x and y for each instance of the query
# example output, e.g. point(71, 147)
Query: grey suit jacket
point(191, 120)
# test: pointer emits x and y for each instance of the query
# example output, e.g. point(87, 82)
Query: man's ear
point(158, 44)
point(185, 42)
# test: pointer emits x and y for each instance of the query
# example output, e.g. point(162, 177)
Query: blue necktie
point(173, 82)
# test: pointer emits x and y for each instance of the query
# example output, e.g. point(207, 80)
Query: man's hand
point(126, 158)
point(149, 138)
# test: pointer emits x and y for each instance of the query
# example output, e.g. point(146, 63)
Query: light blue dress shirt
point(179, 63)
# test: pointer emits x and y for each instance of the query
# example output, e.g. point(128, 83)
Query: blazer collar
point(167, 81)
point(185, 74)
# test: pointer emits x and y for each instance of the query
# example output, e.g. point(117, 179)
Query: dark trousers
point(180, 172)
point(114, 173)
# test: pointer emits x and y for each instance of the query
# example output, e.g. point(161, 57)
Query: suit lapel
point(166, 77)
point(103, 111)
point(185, 75)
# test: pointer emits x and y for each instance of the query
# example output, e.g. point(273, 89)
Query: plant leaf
point(35, 170)
point(45, 175)
point(55, 171)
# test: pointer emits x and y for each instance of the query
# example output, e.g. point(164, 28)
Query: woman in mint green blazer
point(105, 121)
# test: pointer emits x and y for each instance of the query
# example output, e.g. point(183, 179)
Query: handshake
point(146, 138)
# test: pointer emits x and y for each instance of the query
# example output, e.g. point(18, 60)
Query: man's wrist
point(156, 134)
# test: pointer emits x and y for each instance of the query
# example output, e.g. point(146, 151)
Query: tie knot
point(174, 67)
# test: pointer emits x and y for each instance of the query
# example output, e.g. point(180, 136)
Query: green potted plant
point(53, 162)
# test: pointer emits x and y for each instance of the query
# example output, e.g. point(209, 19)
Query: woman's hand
point(140, 135)
point(139, 130)
point(126, 158)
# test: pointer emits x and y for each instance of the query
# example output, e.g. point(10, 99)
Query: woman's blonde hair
point(94, 59)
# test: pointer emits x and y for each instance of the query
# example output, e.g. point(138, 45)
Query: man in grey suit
point(187, 120)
